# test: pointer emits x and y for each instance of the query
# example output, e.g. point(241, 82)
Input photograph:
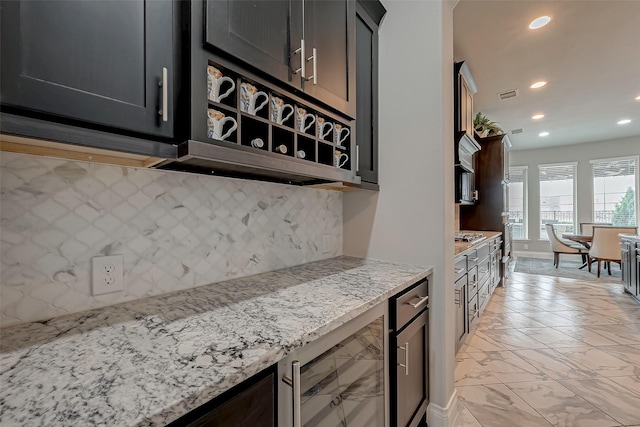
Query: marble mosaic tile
point(174, 230)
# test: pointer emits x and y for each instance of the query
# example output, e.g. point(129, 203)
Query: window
point(614, 191)
point(518, 201)
point(557, 198)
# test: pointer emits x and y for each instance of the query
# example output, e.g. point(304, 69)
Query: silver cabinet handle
point(301, 51)
point(473, 259)
point(314, 77)
point(406, 358)
point(473, 283)
point(357, 158)
point(459, 270)
point(419, 303)
point(164, 84)
point(457, 297)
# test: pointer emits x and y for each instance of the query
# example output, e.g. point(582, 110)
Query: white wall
point(581, 153)
point(411, 219)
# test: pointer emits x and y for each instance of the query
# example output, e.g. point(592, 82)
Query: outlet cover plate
point(107, 274)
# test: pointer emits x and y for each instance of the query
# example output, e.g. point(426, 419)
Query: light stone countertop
point(463, 248)
point(150, 361)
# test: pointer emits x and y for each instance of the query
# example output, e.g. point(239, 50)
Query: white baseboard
point(437, 416)
point(531, 254)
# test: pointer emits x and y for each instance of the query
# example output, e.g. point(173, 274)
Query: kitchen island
point(148, 362)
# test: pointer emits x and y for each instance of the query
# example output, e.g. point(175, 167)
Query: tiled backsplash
point(174, 230)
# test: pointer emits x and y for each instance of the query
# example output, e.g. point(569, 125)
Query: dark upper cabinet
point(262, 34)
point(368, 17)
point(99, 62)
point(330, 32)
point(269, 36)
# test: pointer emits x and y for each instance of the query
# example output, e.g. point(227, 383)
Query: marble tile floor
point(550, 351)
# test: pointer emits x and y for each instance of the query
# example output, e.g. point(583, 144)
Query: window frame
point(636, 181)
point(525, 200)
point(574, 190)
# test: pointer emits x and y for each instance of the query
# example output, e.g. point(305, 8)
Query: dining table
point(584, 239)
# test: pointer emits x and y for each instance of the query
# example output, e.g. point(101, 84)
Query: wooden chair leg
point(556, 259)
point(609, 267)
point(598, 268)
point(589, 263)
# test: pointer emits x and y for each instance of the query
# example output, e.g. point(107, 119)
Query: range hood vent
point(508, 94)
point(465, 148)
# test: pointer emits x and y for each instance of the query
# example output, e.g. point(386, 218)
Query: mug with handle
point(215, 79)
point(324, 127)
point(340, 133)
point(249, 95)
point(301, 119)
point(338, 162)
point(215, 125)
point(278, 108)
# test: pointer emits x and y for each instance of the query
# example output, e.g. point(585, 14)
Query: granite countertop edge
point(150, 361)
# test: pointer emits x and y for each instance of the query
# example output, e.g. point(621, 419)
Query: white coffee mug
point(249, 95)
point(301, 119)
point(278, 108)
point(323, 127)
point(215, 79)
point(301, 154)
point(340, 133)
point(215, 125)
point(257, 143)
point(338, 162)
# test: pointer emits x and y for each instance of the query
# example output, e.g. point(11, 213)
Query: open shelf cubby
point(222, 125)
point(282, 137)
point(308, 145)
point(253, 99)
point(325, 154)
point(253, 132)
point(222, 86)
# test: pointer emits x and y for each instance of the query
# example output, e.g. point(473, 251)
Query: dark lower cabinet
point(368, 17)
point(250, 404)
point(409, 356)
point(108, 63)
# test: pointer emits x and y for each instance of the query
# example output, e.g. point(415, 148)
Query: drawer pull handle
point(406, 358)
point(459, 270)
point(293, 381)
point(164, 103)
point(473, 259)
point(419, 303)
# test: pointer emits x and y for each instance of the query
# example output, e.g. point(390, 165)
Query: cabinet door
point(330, 28)
point(94, 61)
point(466, 107)
point(412, 378)
point(253, 405)
point(461, 309)
point(262, 33)
point(367, 95)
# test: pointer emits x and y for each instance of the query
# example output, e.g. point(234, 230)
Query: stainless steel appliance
point(340, 379)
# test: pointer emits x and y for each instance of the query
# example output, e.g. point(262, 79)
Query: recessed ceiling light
point(624, 122)
point(537, 116)
point(539, 22)
point(638, 98)
point(536, 85)
point(543, 134)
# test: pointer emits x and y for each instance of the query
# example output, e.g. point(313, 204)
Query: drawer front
point(484, 269)
point(483, 296)
point(410, 303)
point(483, 251)
point(472, 282)
point(472, 259)
point(460, 267)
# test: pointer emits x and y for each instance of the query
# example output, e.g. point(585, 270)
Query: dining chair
point(559, 247)
point(586, 228)
point(606, 245)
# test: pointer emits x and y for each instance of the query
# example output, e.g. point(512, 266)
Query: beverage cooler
point(338, 380)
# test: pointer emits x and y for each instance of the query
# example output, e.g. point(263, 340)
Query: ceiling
point(589, 54)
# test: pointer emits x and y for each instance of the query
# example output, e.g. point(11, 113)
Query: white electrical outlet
point(108, 274)
point(326, 243)
point(526, 246)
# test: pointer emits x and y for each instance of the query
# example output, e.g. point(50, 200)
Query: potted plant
point(485, 127)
